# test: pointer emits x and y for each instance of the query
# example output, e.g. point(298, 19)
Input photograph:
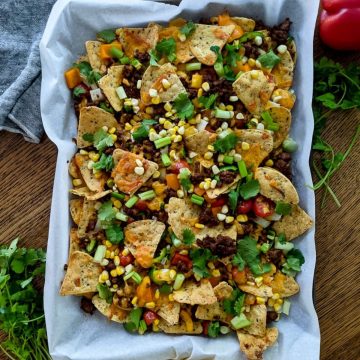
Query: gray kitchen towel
point(21, 25)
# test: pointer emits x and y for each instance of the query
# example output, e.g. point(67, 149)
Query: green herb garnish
point(142, 132)
point(105, 163)
point(107, 36)
point(188, 237)
point(208, 101)
point(188, 28)
point(183, 106)
point(102, 140)
point(167, 48)
point(269, 60)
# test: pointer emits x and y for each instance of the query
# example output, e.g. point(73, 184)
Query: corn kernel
point(201, 185)
point(149, 110)
point(150, 305)
point(168, 125)
point(134, 300)
point(94, 156)
point(181, 123)
point(242, 218)
point(254, 74)
point(177, 138)
point(269, 162)
point(120, 270)
point(276, 296)
point(112, 254)
point(112, 130)
point(156, 174)
point(105, 275)
point(107, 254)
point(277, 307)
point(155, 100)
point(211, 148)
point(221, 216)
point(208, 155)
point(216, 273)
point(113, 273)
point(260, 300)
point(168, 114)
point(245, 146)
point(222, 106)
point(259, 280)
point(83, 152)
point(205, 86)
point(128, 126)
point(199, 226)
point(157, 294)
point(98, 175)
point(168, 106)
point(229, 108)
point(279, 301)
point(172, 274)
point(200, 92)
point(77, 182)
point(156, 322)
point(251, 62)
point(196, 81)
point(108, 244)
point(116, 260)
point(125, 252)
point(171, 297)
point(115, 286)
point(184, 252)
point(165, 83)
point(180, 194)
point(207, 186)
point(229, 219)
point(117, 204)
point(271, 302)
point(211, 265)
point(182, 37)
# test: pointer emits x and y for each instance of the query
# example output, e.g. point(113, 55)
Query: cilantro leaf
point(188, 28)
point(167, 47)
point(239, 303)
point(208, 101)
point(249, 189)
point(218, 66)
point(283, 208)
point(93, 77)
point(200, 258)
point(105, 162)
point(233, 199)
point(269, 60)
point(250, 36)
point(229, 73)
point(114, 234)
point(102, 140)
point(294, 260)
point(78, 91)
point(232, 55)
point(142, 132)
point(134, 320)
point(238, 261)
point(18, 266)
point(88, 137)
point(226, 143)
point(105, 293)
point(233, 305)
point(183, 106)
point(84, 68)
point(184, 178)
point(107, 36)
point(188, 237)
point(106, 107)
point(214, 329)
point(106, 212)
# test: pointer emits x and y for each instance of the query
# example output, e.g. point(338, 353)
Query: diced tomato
point(141, 205)
point(239, 276)
point(219, 202)
point(205, 325)
point(214, 280)
point(178, 258)
point(263, 207)
point(126, 259)
point(177, 166)
point(244, 206)
point(150, 317)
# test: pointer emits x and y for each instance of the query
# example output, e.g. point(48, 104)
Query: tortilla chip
point(283, 72)
point(276, 186)
point(211, 312)
point(254, 92)
point(76, 206)
point(284, 285)
point(206, 36)
point(110, 82)
point(170, 312)
point(261, 145)
point(282, 116)
point(292, 50)
point(254, 346)
point(89, 195)
point(74, 241)
point(294, 224)
point(184, 214)
point(152, 79)
point(93, 183)
point(111, 311)
point(88, 213)
point(73, 169)
point(138, 40)
point(245, 23)
point(82, 275)
point(223, 290)
point(142, 238)
point(123, 173)
point(195, 294)
point(199, 142)
point(214, 193)
point(262, 290)
point(93, 52)
point(257, 315)
point(91, 119)
point(179, 328)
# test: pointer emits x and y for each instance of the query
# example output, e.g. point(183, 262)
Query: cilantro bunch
point(335, 88)
point(21, 303)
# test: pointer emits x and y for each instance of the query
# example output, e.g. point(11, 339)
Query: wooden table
point(27, 173)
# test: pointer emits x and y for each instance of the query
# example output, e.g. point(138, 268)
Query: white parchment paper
point(74, 335)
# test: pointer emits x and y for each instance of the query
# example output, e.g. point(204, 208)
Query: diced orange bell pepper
point(72, 77)
point(216, 210)
point(177, 22)
point(144, 292)
point(186, 317)
point(105, 50)
point(199, 191)
point(241, 67)
point(224, 19)
point(172, 181)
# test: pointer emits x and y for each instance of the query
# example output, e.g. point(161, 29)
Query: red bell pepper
point(339, 24)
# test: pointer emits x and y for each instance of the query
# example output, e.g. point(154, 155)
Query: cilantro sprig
point(200, 258)
point(183, 106)
point(234, 304)
point(188, 237)
point(188, 28)
point(164, 48)
point(102, 140)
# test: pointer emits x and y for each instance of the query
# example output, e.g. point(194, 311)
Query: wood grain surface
point(27, 172)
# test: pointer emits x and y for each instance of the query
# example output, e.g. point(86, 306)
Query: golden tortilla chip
point(262, 290)
point(199, 142)
point(142, 238)
point(93, 183)
point(180, 328)
point(276, 186)
point(110, 82)
point(245, 23)
point(93, 52)
point(111, 311)
point(76, 206)
point(282, 116)
point(254, 346)
point(254, 89)
point(206, 36)
point(138, 40)
point(292, 50)
point(294, 224)
point(89, 195)
point(223, 290)
point(214, 193)
point(82, 275)
point(74, 241)
point(73, 169)
point(212, 312)
point(184, 214)
point(152, 79)
point(123, 173)
point(283, 72)
point(195, 294)
point(261, 145)
point(170, 312)
point(284, 285)
point(257, 316)
point(88, 213)
point(91, 119)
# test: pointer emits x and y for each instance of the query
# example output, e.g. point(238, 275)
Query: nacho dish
point(183, 209)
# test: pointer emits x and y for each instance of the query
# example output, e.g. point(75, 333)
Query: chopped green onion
point(147, 195)
point(90, 246)
point(179, 280)
point(193, 66)
point(129, 275)
point(196, 199)
point(121, 216)
point(228, 159)
point(289, 145)
point(238, 74)
point(271, 235)
point(249, 177)
point(100, 253)
point(286, 307)
point(118, 196)
point(176, 242)
point(142, 327)
point(131, 202)
point(283, 208)
point(286, 246)
point(125, 60)
point(219, 69)
point(224, 330)
point(159, 143)
point(242, 168)
point(223, 114)
point(265, 247)
point(166, 160)
point(136, 64)
point(228, 168)
point(121, 92)
point(136, 277)
point(269, 122)
point(115, 52)
point(239, 322)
